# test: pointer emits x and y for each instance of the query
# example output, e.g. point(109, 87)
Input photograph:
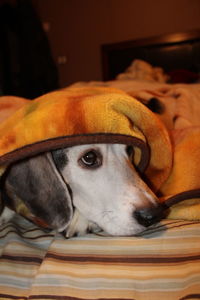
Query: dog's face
point(106, 189)
point(89, 186)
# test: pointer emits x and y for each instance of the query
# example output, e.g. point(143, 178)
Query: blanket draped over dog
point(89, 115)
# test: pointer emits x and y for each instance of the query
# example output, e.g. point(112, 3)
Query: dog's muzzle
point(147, 216)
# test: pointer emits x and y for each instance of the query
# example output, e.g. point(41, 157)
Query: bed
point(161, 263)
point(177, 51)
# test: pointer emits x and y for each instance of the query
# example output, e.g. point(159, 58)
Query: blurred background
point(49, 44)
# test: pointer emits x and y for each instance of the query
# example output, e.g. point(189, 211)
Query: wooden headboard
point(171, 52)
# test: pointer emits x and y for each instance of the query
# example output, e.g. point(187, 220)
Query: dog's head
point(87, 187)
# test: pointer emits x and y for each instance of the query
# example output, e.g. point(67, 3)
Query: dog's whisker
point(106, 214)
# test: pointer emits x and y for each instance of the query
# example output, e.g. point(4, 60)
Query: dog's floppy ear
point(39, 185)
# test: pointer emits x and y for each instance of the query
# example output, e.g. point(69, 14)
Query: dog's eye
point(91, 159)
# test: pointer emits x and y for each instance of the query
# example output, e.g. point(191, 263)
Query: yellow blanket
point(96, 115)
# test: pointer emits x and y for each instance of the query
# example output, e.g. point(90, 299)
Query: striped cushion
point(163, 263)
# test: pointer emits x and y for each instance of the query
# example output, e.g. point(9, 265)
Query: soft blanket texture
point(9, 105)
point(105, 115)
point(142, 70)
point(162, 263)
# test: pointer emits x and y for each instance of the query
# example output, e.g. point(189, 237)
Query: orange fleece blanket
point(105, 115)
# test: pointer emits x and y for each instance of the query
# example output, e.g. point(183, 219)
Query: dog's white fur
point(106, 196)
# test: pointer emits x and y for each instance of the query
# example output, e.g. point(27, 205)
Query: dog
point(81, 189)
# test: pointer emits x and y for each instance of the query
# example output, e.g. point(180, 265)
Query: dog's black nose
point(147, 216)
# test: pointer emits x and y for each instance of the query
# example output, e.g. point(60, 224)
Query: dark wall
point(77, 28)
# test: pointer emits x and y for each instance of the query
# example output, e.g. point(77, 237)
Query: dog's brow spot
point(59, 158)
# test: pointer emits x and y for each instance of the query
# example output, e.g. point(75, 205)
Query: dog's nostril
point(149, 215)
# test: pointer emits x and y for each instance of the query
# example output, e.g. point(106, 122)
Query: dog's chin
point(80, 226)
point(128, 231)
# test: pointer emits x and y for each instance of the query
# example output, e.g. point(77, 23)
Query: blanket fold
point(84, 116)
point(89, 115)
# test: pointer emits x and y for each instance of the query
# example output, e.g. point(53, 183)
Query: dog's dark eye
point(91, 159)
